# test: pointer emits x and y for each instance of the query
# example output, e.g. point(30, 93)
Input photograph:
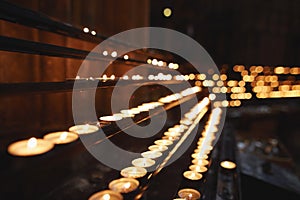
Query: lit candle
point(192, 175)
point(189, 194)
point(198, 168)
point(84, 129)
point(175, 134)
point(30, 147)
point(61, 137)
point(133, 172)
point(207, 148)
point(228, 164)
point(171, 138)
point(124, 185)
point(201, 162)
point(151, 154)
point(199, 156)
point(163, 142)
point(143, 162)
point(186, 122)
point(157, 148)
point(111, 118)
point(106, 195)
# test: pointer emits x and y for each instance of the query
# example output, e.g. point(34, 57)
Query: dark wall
point(238, 32)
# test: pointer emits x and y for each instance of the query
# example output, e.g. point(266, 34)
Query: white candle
point(192, 175)
point(163, 142)
point(201, 162)
point(84, 129)
point(123, 185)
point(198, 168)
point(157, 148)
point(226, 164)
point(133, 172)
point(143, 162)
point(111, 118)
point(30, 147)
point(151, 154)
point(171, 138)
point(106, 195)
point(189, 194)
point(61, 137)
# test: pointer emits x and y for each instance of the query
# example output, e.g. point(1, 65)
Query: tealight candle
point(30, 147)
point(133, 172)
point(175, 134)
point(106, 195)
point(171, 138)
point(192, 175)
point(201, 151)
point(157, 148)
point(189, 194)
point(199, 156)
point(186, 122)
point(198, 168)
point(130, 112)
point(228, 164)
point(163, 142)
point(84, 129)
point(201, 162)
point(176, 129)
point(111, 118)
point(143, 162)
point(151, 154)
point(207, 148)
point(124, 185)
point(61, 137)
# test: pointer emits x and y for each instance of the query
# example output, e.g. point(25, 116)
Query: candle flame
point(32, 142)
point(86, 127)
point(127, 185)
point(63, 136)
point(193, 175)
point(106, 197)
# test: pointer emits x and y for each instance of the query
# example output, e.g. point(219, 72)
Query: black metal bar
point(228, 186)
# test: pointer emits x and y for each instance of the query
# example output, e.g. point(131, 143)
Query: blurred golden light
point(223, 77)
point(228, 164)
point(279, 70)
point(215, 77)
point(259, 69)
point(167, 12)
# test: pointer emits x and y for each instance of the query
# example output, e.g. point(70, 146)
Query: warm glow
point(63, 136)
point(126, 57)
point(93, 32)
point(228, 164)
point(106, 197)
point(105, 53)
point(32, 143)
point(86, 30)
point(114, 54)
point(127, 185)
point(167, 12)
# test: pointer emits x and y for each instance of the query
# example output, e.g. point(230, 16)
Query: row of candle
point(129, 182)
point(200, 155)
point(145, 107)
point(36, 146)
point(267, 69)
